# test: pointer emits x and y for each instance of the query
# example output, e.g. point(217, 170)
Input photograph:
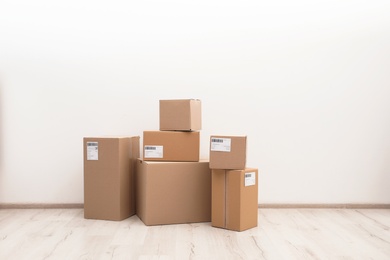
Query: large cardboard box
point(234, 199)
point(228, 152)
point(171, 146)
point(109, 185)
point(173, 192)
point(181, 114)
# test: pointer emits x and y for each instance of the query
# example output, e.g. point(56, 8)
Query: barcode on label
point(216, 140)
point(154, 151)
point(92, 144)
point(248, 175)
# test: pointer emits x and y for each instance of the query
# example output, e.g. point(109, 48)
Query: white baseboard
point(262, 206)
point(41, 205)
point(324, 206)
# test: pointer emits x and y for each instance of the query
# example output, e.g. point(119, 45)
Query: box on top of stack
point(228, 152)
point(180, 115)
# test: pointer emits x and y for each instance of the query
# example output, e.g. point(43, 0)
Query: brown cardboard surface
point(173, 192)
point(181, 115)
point(218, 201)
point(234, 205)
point(109, 192)
point(231, 156)
point(175, 145)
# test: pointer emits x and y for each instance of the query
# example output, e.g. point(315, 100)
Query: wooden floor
point(281, 234)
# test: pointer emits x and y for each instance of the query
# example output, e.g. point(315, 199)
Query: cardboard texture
point(171, 146)
point(173, 192)
point(234, 199)
point(181, 114)
point(228, 152)
point(109, 184)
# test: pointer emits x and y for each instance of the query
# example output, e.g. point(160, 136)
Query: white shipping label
point(220, 144)
point(250, 179)
point(153, 151)
point(92, 151)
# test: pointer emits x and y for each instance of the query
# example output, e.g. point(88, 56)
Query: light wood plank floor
point(281, 234)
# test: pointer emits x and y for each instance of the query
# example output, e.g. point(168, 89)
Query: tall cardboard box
point(171, 146)
point(228, 152)
point(234, 199)
point(173, 192)
point(109, 184)
point(181, 114)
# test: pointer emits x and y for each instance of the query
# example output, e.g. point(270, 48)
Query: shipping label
point(220, 144)
point(250, 179)
point(92, 151)
point(153, 151)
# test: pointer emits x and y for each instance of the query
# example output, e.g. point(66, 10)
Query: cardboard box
point(173, 192)
point(228, 152)
point(181, 114)
point(234, 199)
point(171, 146)
point(109, 185)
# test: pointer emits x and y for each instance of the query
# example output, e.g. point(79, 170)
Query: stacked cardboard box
point(173, 192)
point(234, 186)
point(180, 115)
point(171, 146)
point(173, 185)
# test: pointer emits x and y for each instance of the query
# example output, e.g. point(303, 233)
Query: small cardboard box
point(181, 114)
point(173, 192)
point(171, 146)
point(228, 152)
point(109, 185)
point(234, 203)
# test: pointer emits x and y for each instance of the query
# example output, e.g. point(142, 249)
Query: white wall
point(307, 81)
